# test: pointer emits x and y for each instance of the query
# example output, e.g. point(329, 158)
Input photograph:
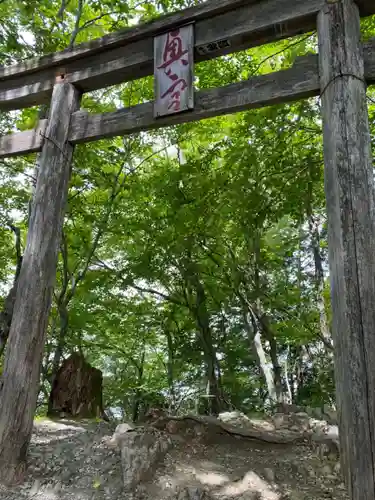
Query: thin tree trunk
point(64, 324)
point(67, 293)
point(262, 319)
point(319, 272)
point(209, 351)
point(253, 331)
point(266, 368)
point(138, 392)
point(203, 322)
point(170, 375)
point(277, 370)
point(287, 382)
point(7, 313)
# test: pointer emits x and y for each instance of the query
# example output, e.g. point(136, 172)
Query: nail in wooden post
point(34, 292)
point(350, 206)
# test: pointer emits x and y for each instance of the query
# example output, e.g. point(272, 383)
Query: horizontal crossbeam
point(298, 82)
point(295, 83)
point(128, 54)
point(19, 143)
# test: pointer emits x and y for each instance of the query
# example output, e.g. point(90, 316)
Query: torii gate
point(338, 74)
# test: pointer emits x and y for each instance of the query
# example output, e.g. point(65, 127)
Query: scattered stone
point(140, 452)
point(172, 427)
point(235, 418)
point(269, 474)
point(280, 420)
point(311, 472)
point(35, 487)
point(121, 429)
point(87, 461)
point(326, 470)
point(192, 494)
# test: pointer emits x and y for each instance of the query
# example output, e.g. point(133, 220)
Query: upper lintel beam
point(299, 82)
point(128, 54)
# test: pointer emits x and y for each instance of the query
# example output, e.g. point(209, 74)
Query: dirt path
point(235, 469)
point(71, 460)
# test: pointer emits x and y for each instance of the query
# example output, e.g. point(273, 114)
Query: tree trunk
point(199, 309)
point(138, 392)
point(7, 313)
point(319, 273)
point(349, 187)
point(266, 368)
point(77, 390)
point(255, 341)
point(287, 381)
point(64, 324)
point(262, 319)
point(277, 371)
point(20, 381)
point(213, 390)
point(170, 374)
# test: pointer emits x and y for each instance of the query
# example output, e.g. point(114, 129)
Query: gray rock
point(280, 420)
point(192, 494)
point(327, 470)
point(123, 428)
point(35, 488)
point(139, 453)
point(269, 474)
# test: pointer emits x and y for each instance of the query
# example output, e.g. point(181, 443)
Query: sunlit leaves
point(225, 199)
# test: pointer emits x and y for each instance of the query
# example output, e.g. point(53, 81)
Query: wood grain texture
point(246, 26)
point(282, 86)
point(299, 82)
point(209, 17)
point(198, 13)
point(122, 37)
point(350, 206)
point(21, 374)
point(128, 54)
point(20, 143)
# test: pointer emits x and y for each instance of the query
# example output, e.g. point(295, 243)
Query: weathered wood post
point(20, 382)
point(350, 207)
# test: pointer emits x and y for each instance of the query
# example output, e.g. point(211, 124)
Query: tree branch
point(76, 26)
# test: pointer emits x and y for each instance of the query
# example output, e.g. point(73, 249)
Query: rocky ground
point(193, 460)
point(70, 460)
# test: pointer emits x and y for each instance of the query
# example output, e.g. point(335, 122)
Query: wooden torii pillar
point(20, 384)
point(349, 187)
point(344, 67)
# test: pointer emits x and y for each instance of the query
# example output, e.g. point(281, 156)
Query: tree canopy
point(193, 263)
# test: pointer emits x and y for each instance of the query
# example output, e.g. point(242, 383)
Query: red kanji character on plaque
point(176, 102)
point(173, 55)
point(173, 50)
point(176, 96)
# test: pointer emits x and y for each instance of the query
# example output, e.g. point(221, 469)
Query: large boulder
point(326, 441)
point(142, 449)
point(236, 418)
